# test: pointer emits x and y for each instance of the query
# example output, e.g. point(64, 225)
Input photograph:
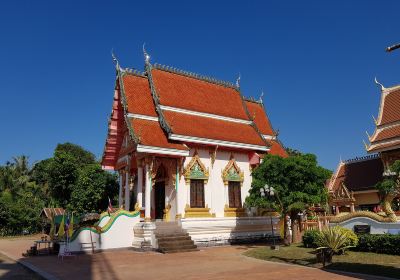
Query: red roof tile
point(151, 134)
point(391, 107)
point(384, 146)
point(387, 133)
point(138, 95)
point(260, 117)
point(277, 149)
point(193, 94)
point(359, 175)
point(209, 128)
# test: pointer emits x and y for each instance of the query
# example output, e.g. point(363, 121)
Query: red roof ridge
point(194, 75)
point(359, 159)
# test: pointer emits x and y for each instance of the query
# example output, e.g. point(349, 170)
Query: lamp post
point(268, 191)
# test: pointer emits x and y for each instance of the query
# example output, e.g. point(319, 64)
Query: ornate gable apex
point(195, 169)
point(342, 194)
point(232, 172)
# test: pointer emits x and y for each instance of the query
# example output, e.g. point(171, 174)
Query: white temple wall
point(216, 195)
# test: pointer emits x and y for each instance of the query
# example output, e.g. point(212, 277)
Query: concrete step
point(175, 242)
point(173, 237)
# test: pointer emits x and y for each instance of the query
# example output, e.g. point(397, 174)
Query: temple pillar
point(337, 210)
point(139, 188)
point(352, 208)
point(178, 194)
point(127, 196)
point(121, 174)
point(147, 211)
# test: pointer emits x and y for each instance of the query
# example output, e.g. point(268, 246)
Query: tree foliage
point(298, 181)
point(71, 179)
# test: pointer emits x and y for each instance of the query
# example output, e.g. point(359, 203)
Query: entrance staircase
point(171, 238)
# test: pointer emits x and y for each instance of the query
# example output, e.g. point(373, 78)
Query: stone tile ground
point(211, 263)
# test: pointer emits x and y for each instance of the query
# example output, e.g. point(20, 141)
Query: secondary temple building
point(184, 146)
point(352, 186)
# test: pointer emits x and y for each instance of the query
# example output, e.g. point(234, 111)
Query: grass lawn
point(359, 262)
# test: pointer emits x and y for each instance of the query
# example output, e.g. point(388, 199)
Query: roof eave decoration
point(342, 194)
point(253, 124)
point(120, 73)
point(194, 75)
point(195, 169)
point(148, 67)
point(232, 172)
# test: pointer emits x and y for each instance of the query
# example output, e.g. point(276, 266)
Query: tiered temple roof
point(387, 132)
point(359, 174)
point(163, 109)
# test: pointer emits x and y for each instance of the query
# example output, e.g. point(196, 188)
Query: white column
point(177, 191)
point(139, 188)
point(120, 188)
point(127, 196)
point(147, 212)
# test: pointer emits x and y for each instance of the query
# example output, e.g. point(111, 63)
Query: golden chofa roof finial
point(145, 54)
point(365, 145)
point(375, 121)
point(114, 58)
point(378, 83)
point(238, 81)
point(261, 96)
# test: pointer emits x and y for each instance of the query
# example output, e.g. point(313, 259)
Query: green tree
point(92, 189)
point(81, 156)
point(298, 181)
point(63, 173)
point(389, 187)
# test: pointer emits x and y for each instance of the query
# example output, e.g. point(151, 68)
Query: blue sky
point(315, 61)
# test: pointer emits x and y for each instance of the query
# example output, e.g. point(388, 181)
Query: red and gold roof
point(163, 110)
point(387, 132)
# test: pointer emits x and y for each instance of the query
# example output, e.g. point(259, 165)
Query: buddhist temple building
point(352, 186)
point(184, 145)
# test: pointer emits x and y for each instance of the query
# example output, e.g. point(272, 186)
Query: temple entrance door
point(159, 199)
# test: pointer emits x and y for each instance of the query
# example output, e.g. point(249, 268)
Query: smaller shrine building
point(353, 185)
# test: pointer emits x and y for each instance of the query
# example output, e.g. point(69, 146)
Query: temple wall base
point(143, 236)
point(221, 231)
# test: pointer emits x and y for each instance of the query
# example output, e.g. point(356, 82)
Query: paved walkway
point(211, 263)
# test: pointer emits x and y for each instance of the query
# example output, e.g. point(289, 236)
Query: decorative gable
point(195, 169)
point(232, 172)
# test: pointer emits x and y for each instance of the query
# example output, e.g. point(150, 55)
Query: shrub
point(352, 238)
point(310, 238)
point(379, 243)
point(336, 239)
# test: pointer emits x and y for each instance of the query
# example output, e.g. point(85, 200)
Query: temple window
point(196, 176)
point(234, 193)
point(197, 193)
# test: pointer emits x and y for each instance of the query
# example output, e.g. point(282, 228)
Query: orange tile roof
point(387, 133)
point(138, 96)
point(150, 133)
point(203, 127)
point(260, 117)
point(384, 146)
point(177, 90)
point(391, 107)
point(277, 149)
